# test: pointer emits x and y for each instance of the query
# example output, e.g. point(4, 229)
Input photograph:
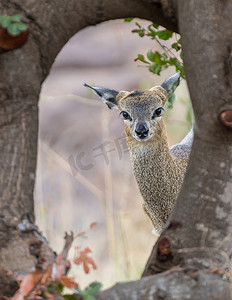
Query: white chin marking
point(142, 140)
point(155, 232)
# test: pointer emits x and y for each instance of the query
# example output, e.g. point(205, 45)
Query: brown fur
point(159, 171)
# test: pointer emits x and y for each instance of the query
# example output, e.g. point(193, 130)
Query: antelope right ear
point(107, 96)
point(171, 83)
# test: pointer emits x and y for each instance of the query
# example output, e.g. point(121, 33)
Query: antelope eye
point(125, 115)
point(157, 112)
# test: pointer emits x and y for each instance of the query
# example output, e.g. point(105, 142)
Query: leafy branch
point(88, 293)
point(158, 61)
point(13, 24)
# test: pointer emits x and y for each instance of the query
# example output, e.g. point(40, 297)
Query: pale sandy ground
point(71, 126)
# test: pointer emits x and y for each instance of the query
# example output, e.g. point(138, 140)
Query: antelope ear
point(171, 84)
point(107, 96)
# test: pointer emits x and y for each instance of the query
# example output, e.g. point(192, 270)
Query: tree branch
point(192, 284)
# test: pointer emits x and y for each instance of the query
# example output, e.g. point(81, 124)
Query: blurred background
point(84, 173)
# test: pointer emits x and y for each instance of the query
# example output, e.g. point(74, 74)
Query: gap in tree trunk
point(75, 183)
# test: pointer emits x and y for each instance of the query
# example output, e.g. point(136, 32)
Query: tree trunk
point(198, 236)
point(199, 231)
point(22, 71)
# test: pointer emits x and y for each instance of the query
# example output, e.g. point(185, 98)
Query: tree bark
point(199, 230)
point(177, 284)
point(22, 71)
point(198, 236)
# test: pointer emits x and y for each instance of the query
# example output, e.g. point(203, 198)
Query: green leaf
point(94, 287)
point(70, 297)
point(16, 18)
point(158, 60)
point(51, 287)
point(139, 31)
point(22, 26)
point(176, 46)
point(13, 29)
point(89, 297)
point(137, 24)
point(5, 21)
point(59, 287)
point(89, 291)
point(154, 68)
point(78, 291)
point(152, 32)
point(179, 67)
point(165, 56)
point(128, 19)
point(141, 58)
point(164, 34)
point(151, 55)
point(155, 26)
point(173, 61)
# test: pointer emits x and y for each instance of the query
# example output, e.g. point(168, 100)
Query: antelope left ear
point(107, 96)
point(171, 83)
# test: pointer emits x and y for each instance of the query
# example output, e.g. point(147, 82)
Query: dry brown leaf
point(68, 282)
point(83, 257)
point(92, 225)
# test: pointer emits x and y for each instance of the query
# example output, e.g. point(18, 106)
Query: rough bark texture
point(178, 285)
point(198, 235)
point(22, 72)
point(200, 226)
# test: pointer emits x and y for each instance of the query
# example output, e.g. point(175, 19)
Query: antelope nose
point(142, 130)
